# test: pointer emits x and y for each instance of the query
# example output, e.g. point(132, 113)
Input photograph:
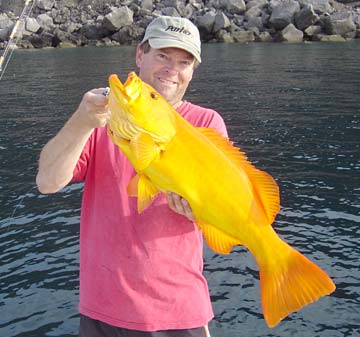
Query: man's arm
point(61, 154)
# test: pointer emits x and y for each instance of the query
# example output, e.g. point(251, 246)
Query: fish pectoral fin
point(144, 150)
point(146, 191)
point(217, 240)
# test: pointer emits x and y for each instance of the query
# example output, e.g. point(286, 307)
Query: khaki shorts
point(93, 328)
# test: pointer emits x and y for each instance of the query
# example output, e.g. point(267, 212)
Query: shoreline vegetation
point(77, 23)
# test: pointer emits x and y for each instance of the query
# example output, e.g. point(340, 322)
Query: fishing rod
point(14, 38)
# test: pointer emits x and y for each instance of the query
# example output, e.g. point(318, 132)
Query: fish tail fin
point(291, 283)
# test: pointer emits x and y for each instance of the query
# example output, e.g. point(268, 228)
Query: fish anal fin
point(290, 284)
point(264, 186)
point(217, 240)
point(144, 189)
point(132, 188)
point(144, 149)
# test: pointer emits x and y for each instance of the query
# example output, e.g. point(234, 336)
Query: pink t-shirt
point(141, 272)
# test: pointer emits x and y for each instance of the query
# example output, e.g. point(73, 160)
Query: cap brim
point(159, 43)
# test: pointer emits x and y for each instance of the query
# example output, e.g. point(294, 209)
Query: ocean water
point(295, 111)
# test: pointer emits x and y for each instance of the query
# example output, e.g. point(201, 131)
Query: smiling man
point(141, 275)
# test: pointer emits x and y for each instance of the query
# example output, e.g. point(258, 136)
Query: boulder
point(306, 17)
point(341, 23)
point(243, 36)
point(128, 35)
point(5, 22)
point(319, 6)
point(224, 36)
point(94, 31)
point(31, 25)
point(45, 21)
point(170, 11)
point(257, 3)
point(234, 6)
point(221, 22)
point(45, 39)
point(147, 4)
point(206, 23)
point(312, 30)
point(283, 13)
point(117, 18)
point(46, 5)
point(264, 37)
point(328, 38)
point(291, 34)
point(4, 34)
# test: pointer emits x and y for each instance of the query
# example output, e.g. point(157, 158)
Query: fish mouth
point(120, 98)
point(129, 91)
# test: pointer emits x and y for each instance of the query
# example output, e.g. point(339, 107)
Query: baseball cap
point(168, 31)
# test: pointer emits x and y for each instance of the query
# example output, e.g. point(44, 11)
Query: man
point(140, 275)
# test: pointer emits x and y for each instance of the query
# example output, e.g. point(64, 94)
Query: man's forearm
point(60, 155)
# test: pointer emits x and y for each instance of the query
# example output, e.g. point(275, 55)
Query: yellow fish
point(233, 202)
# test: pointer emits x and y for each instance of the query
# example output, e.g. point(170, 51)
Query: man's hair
point(145, 47)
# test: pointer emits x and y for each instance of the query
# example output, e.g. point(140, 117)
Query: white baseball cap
point(174, 32)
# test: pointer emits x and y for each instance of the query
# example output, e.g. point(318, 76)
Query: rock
point(254, 23)
point(306, 17)
point(234, 6)
point(340, 23)
point(5, 22)
point(264, 37)
point(43, 40)
point(66, 3)
point(224, 36)
point(66, 44)
point(319, 6)
point(206, 23)
point(328, 38)
point(283, 13)
point(45, 21)
point(45, 4)
point(4, 34)
point(221, 22)
point(128, 35)
point(117, 18)
point(94, 31)
point(147, 4)
point(256, 3)
point(243, 36)
point(291, 34)
point(313, 30)
point(170, 11)
point(31, 25)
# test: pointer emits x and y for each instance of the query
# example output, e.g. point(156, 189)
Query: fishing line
point(13, 40)
point(6, 229)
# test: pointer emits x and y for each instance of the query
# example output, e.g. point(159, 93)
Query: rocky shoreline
point(74, 23)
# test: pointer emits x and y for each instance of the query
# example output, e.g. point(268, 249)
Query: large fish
point(233, 202)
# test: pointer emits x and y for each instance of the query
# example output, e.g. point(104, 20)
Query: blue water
point(293, 108)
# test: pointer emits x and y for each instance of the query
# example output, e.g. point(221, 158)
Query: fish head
point(138, 108)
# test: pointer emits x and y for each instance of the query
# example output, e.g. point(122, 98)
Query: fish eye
point(154, 95)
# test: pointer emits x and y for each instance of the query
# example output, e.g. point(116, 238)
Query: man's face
point(168, 70)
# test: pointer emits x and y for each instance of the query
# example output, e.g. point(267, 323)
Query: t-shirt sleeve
point(81, 167)
point(217, 123)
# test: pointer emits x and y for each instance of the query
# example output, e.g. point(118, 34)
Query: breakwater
point(71, 23)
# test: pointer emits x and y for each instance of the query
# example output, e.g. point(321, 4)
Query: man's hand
point(180, 205)
point(92, 111)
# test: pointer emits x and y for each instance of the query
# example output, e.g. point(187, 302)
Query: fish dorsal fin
point(144, 189)
point(264, 186)
point(144, 149)
point(217, 240)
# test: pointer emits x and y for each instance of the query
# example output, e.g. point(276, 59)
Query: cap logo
point(178, 30)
